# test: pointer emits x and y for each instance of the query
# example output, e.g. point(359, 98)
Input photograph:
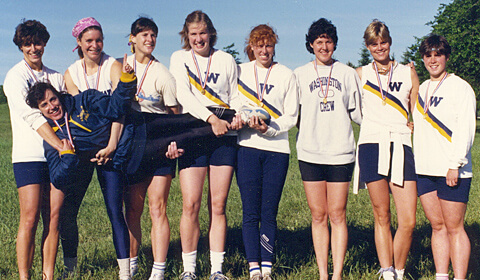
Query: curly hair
point(322, 28)
point(259, 34)
point(30, 32)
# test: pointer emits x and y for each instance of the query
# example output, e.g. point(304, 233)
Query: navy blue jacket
point(90, 114)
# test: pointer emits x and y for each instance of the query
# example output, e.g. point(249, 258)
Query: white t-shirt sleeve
point(464, 131)
point(290, 109)
point(185, 96)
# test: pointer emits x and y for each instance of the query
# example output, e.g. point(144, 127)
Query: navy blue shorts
point(28, 173)
point(459, 193)
point(326, 172)
point(217, 151)
point(368, 162)
point(160, 166)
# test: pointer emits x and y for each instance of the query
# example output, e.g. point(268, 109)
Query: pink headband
point(83, 24)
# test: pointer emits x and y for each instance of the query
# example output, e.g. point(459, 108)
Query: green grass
point(294, 257)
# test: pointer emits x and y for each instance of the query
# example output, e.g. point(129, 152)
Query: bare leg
point(220, 178)
point(380, 199)
point(50, 212)
point(191, 183)
point(134, 203)
point(316, 192)
point(29, 197)
point(406, 204)
point(440, 243)
point(454, 215)
point(337, 194)
point(157, 200)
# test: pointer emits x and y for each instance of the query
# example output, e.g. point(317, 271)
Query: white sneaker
point(187, 275)
point(387, 273)
point(157, 276)
point(256, 276)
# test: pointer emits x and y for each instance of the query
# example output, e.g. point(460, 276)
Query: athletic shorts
point(160, 166)
point(368, 162)
point(28, 173)
point(459, 193)
point(217, 151)
point(326, 172)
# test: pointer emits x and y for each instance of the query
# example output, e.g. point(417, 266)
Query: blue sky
point(232, 19)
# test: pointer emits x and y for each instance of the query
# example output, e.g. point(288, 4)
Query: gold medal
point(384, 102)
point(325, 100)
point(203, 91)
point(260, 104)
point(136, 97)
point(425, 116)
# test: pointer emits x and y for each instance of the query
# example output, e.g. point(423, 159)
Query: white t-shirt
point(280, 100)
point(443, 138)
point(27, 145)
point(325, 135)
point(221, 87)
point(101, 83)
point(157, 90)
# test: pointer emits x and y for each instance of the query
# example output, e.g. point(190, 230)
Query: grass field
point(294, 256)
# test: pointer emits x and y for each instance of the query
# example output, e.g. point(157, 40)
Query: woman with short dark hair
point(35, 194)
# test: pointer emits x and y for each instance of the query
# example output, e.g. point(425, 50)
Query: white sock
point(400, 273)
point(216, 261)
point(441, 276)
point(266, 268)
point(158, 268)
point(458, 279)
point(133, 266)
point(124, 268)
point(70, 264)
point(254, 270)
point(189, 261)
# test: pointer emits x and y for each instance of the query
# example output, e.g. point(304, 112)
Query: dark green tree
point(365, 57)
point(459, 23)
point(230, 49)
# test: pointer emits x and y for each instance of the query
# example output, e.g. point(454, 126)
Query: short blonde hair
point(376, 29)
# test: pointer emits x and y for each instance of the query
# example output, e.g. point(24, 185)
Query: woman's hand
point(410, 125)
point(103, 156)
point(452, 177)
point(173, 152)
point(258, 124)
point(65, 147)
point(219, 127)
point(237, 123)
point(126, 67)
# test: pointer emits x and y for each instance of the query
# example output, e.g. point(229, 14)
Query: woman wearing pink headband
point(96, 70)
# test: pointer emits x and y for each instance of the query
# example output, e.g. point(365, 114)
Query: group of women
point(322, 98)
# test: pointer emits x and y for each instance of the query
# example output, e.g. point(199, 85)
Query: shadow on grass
point(295, 251)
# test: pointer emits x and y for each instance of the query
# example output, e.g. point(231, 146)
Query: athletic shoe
point(218, 276)
point(157, 276)
point(247, 112)
point(256, 276)
point(187, 275)
point(133, 270)
point(267, 276)
point(387, 273)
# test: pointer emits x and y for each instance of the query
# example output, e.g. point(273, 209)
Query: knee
point(337, 217)
point(218, 208)
point(29, 220)
point(158, 209)
point(407, 225)
point(319, 217)
point(382, 217)
point(191, 209)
